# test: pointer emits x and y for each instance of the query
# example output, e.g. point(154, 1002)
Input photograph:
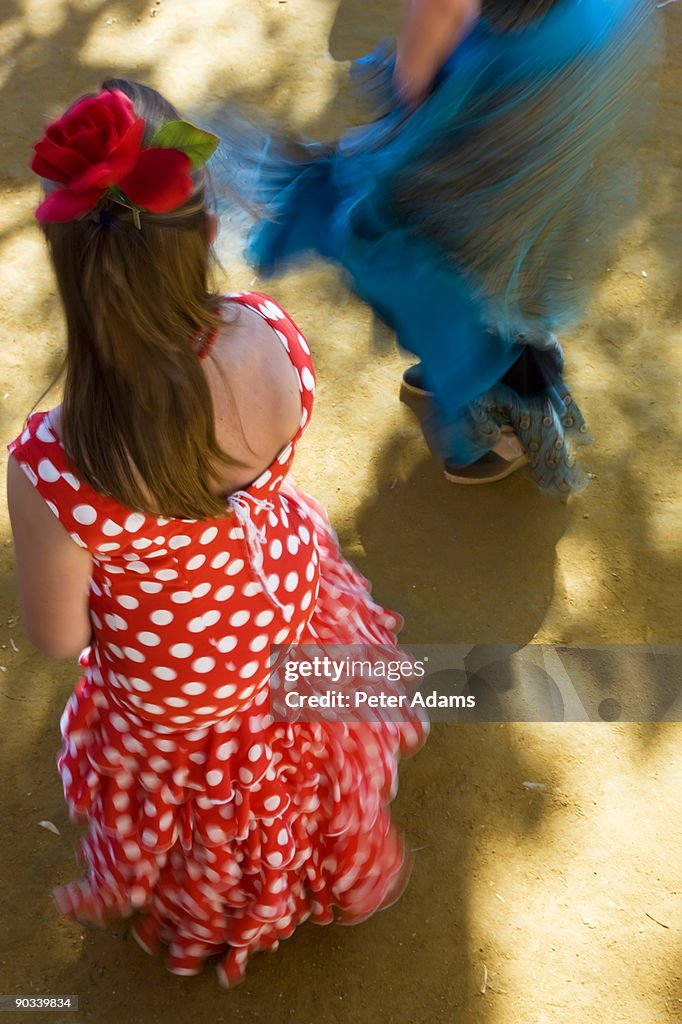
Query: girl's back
point(187, 575)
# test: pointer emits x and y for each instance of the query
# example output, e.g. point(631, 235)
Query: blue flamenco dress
point(474, 224)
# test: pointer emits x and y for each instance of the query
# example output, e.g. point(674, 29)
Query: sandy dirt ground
point(556, 906)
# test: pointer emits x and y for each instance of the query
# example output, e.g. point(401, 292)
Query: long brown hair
point(137, 416)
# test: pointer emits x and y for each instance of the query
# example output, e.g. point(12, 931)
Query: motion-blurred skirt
point(476, 223)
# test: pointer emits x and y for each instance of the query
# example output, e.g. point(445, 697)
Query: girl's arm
point(431, 30)
point(52, 570)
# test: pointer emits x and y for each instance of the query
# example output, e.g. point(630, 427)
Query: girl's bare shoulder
point(254, 386)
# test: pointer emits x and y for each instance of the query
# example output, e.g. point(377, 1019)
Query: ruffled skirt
point(227, 837)
point(483, 216)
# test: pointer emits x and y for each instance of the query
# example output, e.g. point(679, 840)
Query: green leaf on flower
point(197, 144)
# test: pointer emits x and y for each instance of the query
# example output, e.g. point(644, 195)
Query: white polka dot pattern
point(217, 823)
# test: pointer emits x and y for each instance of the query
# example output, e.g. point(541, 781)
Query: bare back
point(256, 398)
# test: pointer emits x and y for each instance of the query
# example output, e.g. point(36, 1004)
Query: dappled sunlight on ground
point(541, 906)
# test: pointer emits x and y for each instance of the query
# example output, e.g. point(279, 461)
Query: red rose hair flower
point(95, 150)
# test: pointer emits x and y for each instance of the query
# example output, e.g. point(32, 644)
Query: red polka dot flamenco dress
point(222, 828)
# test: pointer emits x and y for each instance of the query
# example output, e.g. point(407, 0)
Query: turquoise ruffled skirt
point(475, 224)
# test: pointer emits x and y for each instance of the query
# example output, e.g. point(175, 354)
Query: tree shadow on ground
point(412, 534)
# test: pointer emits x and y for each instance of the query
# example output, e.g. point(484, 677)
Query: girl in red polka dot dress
point(155, 527)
